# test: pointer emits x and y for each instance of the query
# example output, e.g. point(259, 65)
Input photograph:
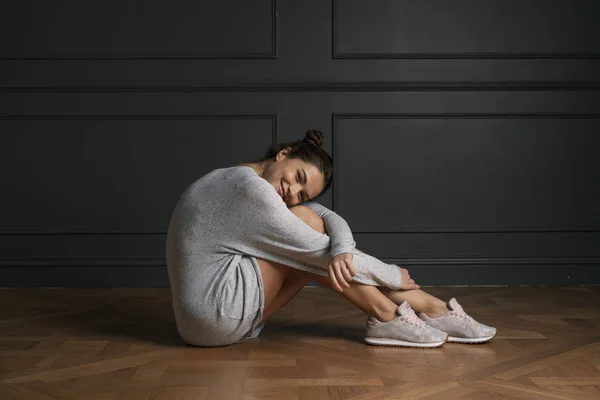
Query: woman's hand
point(407, 282)
point(341, 271)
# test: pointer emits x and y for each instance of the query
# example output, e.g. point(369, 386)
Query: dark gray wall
point(465, 133)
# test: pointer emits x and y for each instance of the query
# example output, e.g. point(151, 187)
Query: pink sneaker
point(406, 330)
point(460, 327)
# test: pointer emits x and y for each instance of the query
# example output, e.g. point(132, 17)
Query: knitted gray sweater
point(233, 212)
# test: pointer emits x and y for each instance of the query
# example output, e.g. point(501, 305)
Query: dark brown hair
point(309, 149)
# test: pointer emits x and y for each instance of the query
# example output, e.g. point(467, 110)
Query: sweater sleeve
point(338, 229)
point(254, 221)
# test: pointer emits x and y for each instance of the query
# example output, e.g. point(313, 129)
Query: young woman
point(244, 240)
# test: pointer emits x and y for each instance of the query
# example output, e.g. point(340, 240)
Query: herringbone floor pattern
point(122, 344)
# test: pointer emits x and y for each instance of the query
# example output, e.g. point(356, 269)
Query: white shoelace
point(459, 312)
point(412, 318)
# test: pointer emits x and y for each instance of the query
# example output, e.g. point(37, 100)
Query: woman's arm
point(338, 229)
point(255, 221)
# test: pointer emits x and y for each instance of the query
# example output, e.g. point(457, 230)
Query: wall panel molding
point(495, 261)
point(346, 86)
point(428, 273)
point(87, 261)
point(51, 232)
point(159, 261)
point(477, 229)
point(93, 117)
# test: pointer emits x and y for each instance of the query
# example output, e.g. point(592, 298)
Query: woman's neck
point(259, 166)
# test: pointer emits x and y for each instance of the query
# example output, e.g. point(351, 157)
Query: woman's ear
point(283, 153)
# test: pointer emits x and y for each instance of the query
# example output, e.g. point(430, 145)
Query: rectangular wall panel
point(466, 29)
point(115, 174)
point(444, 173)
point(182, 29)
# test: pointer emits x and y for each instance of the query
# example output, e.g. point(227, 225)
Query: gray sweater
point(232, 213)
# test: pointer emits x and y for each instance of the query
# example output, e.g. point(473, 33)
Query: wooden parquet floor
point(122, 344)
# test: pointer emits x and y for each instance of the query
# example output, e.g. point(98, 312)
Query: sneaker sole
point(402, 343)
point(454, 339)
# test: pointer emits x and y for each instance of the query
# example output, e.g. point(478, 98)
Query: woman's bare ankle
point(436, 309)
point(386, 315)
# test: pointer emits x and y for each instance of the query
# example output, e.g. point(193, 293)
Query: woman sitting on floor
point(244, 240)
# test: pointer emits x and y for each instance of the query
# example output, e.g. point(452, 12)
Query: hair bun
point(314, 137)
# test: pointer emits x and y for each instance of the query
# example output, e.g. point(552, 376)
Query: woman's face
point(294, 179)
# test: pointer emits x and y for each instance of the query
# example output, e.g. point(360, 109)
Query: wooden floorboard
point(113, 344)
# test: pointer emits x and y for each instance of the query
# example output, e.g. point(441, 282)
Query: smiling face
point(294, 179)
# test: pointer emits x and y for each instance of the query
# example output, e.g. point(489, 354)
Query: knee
point(309, 217)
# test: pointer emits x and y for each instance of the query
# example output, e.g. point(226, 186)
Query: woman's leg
point(419, 301)
point(282, 283)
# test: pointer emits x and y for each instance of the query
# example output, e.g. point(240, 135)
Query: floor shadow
point(145, 318)
point(314, 329)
